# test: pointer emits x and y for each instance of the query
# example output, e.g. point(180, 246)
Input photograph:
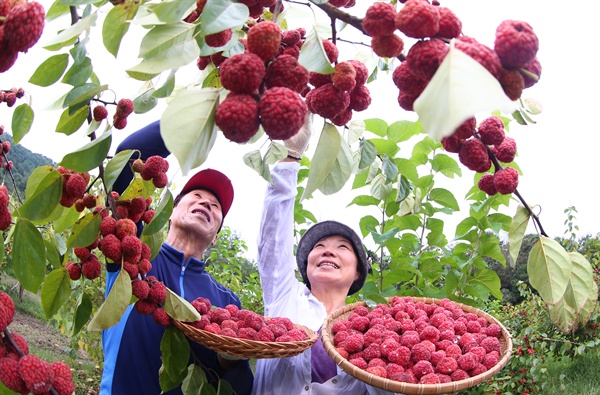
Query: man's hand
point(298, 142)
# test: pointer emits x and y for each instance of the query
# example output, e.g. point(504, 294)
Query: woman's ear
point(357, 275)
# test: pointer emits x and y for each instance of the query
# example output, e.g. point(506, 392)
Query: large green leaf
point(116, 25)
point(254, 160)
point(324, 159)
point(445, 165)
point(221, 15)
point(165, 12)
point(28, 255)
point(79, 72)
point(82, 94)
point(69, 35)
point(50, 70)
point(164, 48)
point(444, 197)
point(460, 88)
point(585, 289)
point(368, 153)
point(518, 227)
point(21, 121)
point(562, 313)
point(42, 203)
point(70, 123)
point(111, 311)
point(179, 309)
point(190, 135)
point(175, 351)
point(83, 312)
point(90, 155)
point(68, 218)
point(195, 382)
point(115, 166)
point(313, 57)
point(85, 231)
point(490, 247)
point(161, 214)
point(340, 173)
point(55, 291)
point(549, 269)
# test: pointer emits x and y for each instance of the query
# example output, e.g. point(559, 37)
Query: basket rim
point(247, 348)
point(409, 388)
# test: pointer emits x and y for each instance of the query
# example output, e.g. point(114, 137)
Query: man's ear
point(214, 241)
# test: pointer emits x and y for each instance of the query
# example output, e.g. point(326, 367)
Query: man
point(132, 356)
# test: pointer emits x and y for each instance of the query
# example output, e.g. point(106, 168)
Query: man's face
point(198, 212)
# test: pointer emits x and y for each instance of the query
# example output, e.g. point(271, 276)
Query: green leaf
point(254, 160)
point(195, 381)
point(376, 126)
point(404, 189)
point(116, 25)
point(222, 15)
point(585, 289)
point(385, 147)
point(190, 135)
point(549, 269)
point(79, 51)
point(21, 121)
point(444, 197)
point(115, 166)
point(445, 165)
point(28, 255)
point(403, 130)
point(161, 215)
point(66, 220)
point(55, 11)
point(89, 156)
point(164, 48)
point(313, 56)
point(175, 351)
point(340, 173)
point(167, 11)
point(70, 123)
point(380, 189)
point(69, 35)
point(167, 89)
point(83, 312)
point(179, 309)
point(43, 201)
point(490, 247)
point(389, 168)
point(145, 101)
point(460, 88)
point(324, 159)
point(517, 230)
point(79, 73)
point(155, 242)
point(111, 311)
point(562, 313)
point(368, 153)
point(82, 94)
point(52, 254)
point(50, 70)
point(55, 291)
point(138, 187)
point(85, 231)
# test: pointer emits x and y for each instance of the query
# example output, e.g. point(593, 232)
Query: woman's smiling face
point(332, 262)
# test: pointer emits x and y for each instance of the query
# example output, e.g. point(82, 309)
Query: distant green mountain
point(24, 162)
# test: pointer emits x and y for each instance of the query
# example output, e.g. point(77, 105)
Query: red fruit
point(36, 373)
point(481, 53)
point(82, 253)
point(202, 62)
point(5, 218)
point(491, 130)
point(342, 118)
point(406, 81)
point(6, 147)
point(237, 117)
point(145, 307)
point(425, 57)
point(161, 317)
point(422, 368)
point(110, 246)
point(533, 67)
point(486, 184)
point(108, 226)
point(362, 73)
point(450, 24)
point(157, 293)
point(75, 185)
point(360, 98)
point(330, 50)
point(140, 288)
point(282, 112)
point(317, 80)
point(406, 101)
point(285, 71)
point(264, 39)
point(516, 44)
point(100, 113)
point(91, 268)
point(505, 151)
point(344, 76)
point(153, 166)
point(147, 216)
point(218, 39)
point(10, 99)
point(418, 19)
point(217, 58)
point(242, 73)
point(8, 57)
point(9, 375)
point(119, 123)
point(62, 380)
point(473, 154)
point(512, 83)
point(132, 248)
point(124, 108)
point(506, 180)
point(327, 101)
point(23, 26)
point(379, 19)
point(290, 37)
point(466, 129)
point(388, 46)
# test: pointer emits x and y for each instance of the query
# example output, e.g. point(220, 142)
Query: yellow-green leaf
point(50, 70)
point(549, 269)
point(55, 291)
point(90, 155)
point(328, 149)
point(21, 121)
point(115, 166)
point(70, 123)
point(179, 309)
point(161, 215)
point(83, 312)
point(517, 230)
point(28, 255)
point(69, 35)
point(85, 231)
point(111, 311)
point(42, 203)
point(116, 25)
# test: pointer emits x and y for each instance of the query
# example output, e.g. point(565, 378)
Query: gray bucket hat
point(329, 228)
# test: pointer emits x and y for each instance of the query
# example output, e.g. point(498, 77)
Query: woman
point(333, 265)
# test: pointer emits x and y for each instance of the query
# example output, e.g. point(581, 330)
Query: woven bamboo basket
point(408, 388)
point(248, 348)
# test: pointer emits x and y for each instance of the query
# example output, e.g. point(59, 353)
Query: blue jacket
point(132, 356)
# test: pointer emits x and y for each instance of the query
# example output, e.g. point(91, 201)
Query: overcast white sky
point(559, 155)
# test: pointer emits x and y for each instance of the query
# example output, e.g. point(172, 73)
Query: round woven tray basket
point(408, 388)
point(248, 348)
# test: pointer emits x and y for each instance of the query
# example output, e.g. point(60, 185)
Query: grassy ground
point(579, 376)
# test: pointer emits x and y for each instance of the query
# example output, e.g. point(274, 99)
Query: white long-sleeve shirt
point(285, 296)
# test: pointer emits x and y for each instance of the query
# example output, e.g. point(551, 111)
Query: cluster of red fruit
point(10, 96)
point(20, 29)
point(26, 373)
point(5, 149)
point(416, 342)
point(473, 147)
point(154, 168)
point(124, 108)
point(5, 215)
point(74, 185)
point(512, 61)
point(239, 323)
